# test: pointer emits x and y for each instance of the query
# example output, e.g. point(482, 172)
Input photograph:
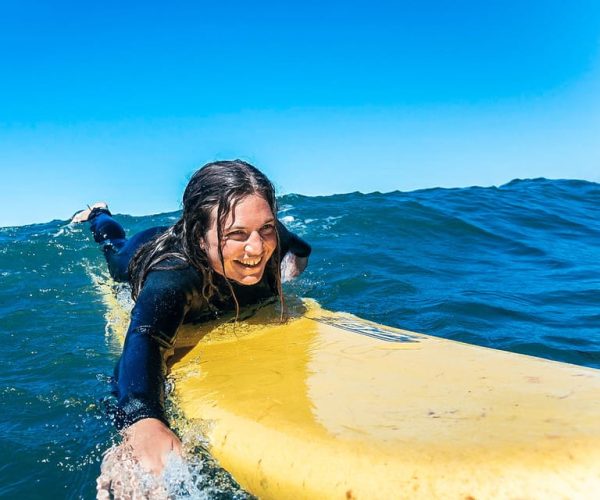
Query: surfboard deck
point(329, 405)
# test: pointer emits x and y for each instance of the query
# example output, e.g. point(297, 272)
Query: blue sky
point(104, 101)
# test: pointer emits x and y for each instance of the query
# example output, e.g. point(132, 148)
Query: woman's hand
point(292, 266)
point(151, 441)
point(146, 445)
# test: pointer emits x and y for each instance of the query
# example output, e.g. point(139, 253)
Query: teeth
point(250, 262)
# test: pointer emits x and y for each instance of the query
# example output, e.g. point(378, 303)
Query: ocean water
point(515, 267)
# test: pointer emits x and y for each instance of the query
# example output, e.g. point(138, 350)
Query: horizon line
point(516, 179)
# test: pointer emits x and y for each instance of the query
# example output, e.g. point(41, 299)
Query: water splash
point(194, 475)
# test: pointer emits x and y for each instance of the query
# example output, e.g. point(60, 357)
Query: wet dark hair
point(220, 184)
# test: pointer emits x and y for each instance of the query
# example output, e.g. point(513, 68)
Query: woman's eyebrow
point(235, 226)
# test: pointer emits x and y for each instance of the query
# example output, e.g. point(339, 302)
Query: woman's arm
point(140, 374)
point(159, 311)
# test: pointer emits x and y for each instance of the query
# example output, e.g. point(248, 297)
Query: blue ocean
point(515, 267)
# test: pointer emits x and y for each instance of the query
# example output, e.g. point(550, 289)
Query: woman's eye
point(267, 229)
point(237, 235)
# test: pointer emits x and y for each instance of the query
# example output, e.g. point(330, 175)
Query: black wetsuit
point(168, 298)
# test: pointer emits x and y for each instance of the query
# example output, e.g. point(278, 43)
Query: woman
point(226, 252)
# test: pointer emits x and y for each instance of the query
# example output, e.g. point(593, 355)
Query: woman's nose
point(254, 244)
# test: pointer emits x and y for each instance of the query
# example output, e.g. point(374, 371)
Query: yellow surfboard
point(328, 405)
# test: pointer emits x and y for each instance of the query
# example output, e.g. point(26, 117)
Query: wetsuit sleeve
point(161, 306)
point(292, 243)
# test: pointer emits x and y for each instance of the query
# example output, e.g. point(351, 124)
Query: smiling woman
point(227, 251)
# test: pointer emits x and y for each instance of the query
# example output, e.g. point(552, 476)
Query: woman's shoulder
point(173, 274)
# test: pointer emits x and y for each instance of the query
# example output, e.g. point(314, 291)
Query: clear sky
point(121, 101)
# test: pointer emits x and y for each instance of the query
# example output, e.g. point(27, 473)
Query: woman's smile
point(250, 263)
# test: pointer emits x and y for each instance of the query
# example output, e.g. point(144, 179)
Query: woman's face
point(249, 240)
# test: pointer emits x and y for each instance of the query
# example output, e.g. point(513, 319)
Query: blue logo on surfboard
point(376, 332)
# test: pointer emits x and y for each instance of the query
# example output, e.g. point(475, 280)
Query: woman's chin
point(248, 278)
